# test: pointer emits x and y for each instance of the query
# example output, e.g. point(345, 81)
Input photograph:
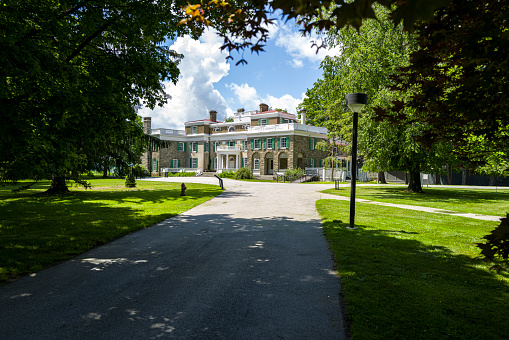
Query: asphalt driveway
point(251, 263)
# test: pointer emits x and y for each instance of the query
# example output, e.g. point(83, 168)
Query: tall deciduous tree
point(72, 73)
point(459, 76)
point(366, 60)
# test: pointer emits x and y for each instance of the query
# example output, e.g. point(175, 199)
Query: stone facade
point(282, 143)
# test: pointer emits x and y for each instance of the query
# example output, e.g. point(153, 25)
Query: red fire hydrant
point(183, 190)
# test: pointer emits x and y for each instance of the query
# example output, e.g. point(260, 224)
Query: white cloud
point(250, 99)
point(300, 48)
point(194, 94)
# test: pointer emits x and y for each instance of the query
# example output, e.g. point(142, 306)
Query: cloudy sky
point(278, 77)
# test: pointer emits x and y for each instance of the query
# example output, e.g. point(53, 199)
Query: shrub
point(130, 180)
point(182, 174)
point(227, 174)
point(244, 173)
point(294, 174)
point(139, 171)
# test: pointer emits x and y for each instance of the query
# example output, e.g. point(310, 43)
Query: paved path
point(251, 263)
point(419, 208)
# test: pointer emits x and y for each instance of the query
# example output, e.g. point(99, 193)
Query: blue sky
point(278, 77)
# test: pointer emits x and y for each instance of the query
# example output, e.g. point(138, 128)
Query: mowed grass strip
point(37, 230)
point(476, 201)
point(414, 275)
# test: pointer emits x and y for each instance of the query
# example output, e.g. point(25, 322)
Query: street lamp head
point(356, 101)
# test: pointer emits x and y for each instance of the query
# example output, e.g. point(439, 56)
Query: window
point(181, 146)
point(262, 122)
point(231, 129)
point(207, 147)
point(283, 121)
point(270, 143)
point(312, 163)
point(154, 164)
point(194, 147)
point(194, 130)
point(175, 163)
point(231, 143)
point(244, 145)
point(284, 143)
point(244, 161)
point(256, 143)
point(193, 162)
point(214, 163)
point(311, 144)
point(256, 164)
point(154, 147)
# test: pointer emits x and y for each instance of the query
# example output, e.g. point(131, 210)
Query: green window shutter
point(206, 147)
point(265, 143)
point(190, 162)
point(242, 162)
point(287, 142)
point(309, 162)
point(278, 142)
point(213, 146)
point(252, 144)
point(178, 163)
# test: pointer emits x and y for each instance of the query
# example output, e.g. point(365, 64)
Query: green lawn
point(414, 275)
point(38, 230)
point(477, 201)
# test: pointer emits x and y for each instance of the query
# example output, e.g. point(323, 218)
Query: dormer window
point(231, 129)
point(194, 130)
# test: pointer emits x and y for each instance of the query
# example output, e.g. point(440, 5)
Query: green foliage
point(139, 171)
point(227, 174)
point(72, 74)
point(294, 174)
point(244, 173)
point(182, 174)
point(458, 82)
point(496, 249)
point(242, 22)
point(130, 180)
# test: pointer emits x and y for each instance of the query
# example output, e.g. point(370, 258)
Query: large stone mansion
point(266, 141)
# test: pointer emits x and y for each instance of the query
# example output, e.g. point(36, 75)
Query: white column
point(237, 164)
point(217, 162)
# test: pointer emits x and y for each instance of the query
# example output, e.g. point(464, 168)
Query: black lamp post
point(355, 102)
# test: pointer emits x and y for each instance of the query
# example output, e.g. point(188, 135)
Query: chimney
point(264, 107)
point(303, 117)
point(147, 125)
point(240, 110)
point(213, 115)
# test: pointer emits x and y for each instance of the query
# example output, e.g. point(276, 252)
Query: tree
point(366, 60)
point(459, 76)
point(72, 74)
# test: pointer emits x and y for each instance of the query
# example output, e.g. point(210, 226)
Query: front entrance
point(269, 164)
point(231, 163)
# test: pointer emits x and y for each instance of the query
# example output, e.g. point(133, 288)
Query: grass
point(409, 275)
point(37, 230)
point(477, 201)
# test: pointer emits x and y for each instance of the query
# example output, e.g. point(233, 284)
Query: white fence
point(328, 174)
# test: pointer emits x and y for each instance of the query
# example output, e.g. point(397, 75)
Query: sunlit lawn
point(414, 275)
point(477, 201)
point(37, 230)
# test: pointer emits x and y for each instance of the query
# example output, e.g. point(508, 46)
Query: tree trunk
point(414, 183)
point(105, 170)
point(57, 186)
point(381, 178)
point(437, 177)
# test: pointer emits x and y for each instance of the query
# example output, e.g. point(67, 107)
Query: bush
point(294, 174)
point(227, 174)
point(182, 174)
point(139, 171)
point(244, 173)
point(130, 180)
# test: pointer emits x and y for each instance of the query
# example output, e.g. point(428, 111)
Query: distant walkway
point(420, 208)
